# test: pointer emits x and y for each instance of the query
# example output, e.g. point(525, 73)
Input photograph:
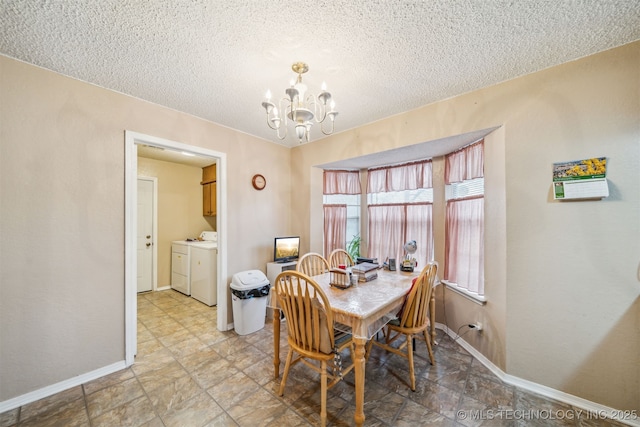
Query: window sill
point(478, 299)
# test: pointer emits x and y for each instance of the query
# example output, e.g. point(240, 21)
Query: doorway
point(132, 140)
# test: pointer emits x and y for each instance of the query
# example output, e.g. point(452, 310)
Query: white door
point(145, 234)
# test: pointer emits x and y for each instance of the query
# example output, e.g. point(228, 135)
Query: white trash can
point(249, 293)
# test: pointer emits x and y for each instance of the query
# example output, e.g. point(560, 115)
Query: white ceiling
point(215, 59)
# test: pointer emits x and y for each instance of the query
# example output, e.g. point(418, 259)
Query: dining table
point(364, 308)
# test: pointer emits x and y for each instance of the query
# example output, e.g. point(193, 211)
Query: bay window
point(464, 221)
point(399, 206)
point(341, 204)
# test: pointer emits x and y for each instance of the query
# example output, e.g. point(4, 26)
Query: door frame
point(154, 231)
point(132, 139)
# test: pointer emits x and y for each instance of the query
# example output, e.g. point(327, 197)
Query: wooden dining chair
point(340, 257)
point(310, 332)
point(412, 321)
point(312, 264)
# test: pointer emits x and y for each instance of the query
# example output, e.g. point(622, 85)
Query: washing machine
point(194, 267)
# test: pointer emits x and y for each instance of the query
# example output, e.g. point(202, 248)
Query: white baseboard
point(50, 390)
point(578, 402)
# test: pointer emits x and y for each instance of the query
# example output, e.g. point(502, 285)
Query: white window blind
point(461, 190)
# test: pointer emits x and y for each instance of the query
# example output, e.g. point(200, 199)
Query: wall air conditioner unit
point(580, 179)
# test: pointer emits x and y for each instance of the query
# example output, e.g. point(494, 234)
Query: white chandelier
point(300, 108)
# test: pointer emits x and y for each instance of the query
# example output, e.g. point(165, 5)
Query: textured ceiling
point(216, 59)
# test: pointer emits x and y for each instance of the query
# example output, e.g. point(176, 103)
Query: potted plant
point(353, 247)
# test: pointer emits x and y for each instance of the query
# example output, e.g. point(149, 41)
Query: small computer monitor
point(286, 249)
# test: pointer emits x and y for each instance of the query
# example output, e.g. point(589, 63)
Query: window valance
point(341, 182)
point(408, 176)
point(466, 163)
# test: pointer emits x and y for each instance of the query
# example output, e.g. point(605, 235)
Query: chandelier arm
point(311, 100)
point(290, 106)
point(322, 127)
point(320, 118)
point(269, 119)
point(285, 107)
point(318, 109)
point(278, 133)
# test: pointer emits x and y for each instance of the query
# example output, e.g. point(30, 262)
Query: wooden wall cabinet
point(209, 199)
point(208, 174)
point(209, 190)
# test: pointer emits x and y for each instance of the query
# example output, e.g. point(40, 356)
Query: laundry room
point(177, 235)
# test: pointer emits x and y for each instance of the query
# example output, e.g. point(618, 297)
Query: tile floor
point(187, 373)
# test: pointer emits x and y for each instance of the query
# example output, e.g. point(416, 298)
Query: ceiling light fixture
point(301, 108)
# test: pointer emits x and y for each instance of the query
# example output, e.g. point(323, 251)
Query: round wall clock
point(258, 182)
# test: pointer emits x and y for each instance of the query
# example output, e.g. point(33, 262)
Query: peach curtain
point(408, 176)
point(386, 231)
point(419, 221)
point(392, 225)
point(341, 182)
point(464, 245)
point(464, 223)
point(335, 228)
point(335, 216)
point(466, 163)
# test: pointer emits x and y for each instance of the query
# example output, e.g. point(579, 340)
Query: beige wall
point(62, 175)
point(179, 208)
point(562, 278)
